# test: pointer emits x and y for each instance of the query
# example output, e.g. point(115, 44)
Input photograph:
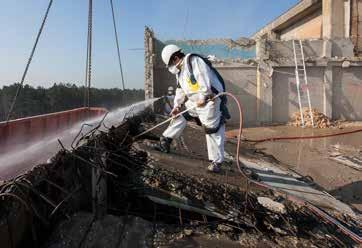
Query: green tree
point(62, 96)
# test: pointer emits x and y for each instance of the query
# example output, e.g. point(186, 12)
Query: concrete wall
point(333, 19)
point(356, 25)
point(334, 91)
point(282, 51)
point(221, 48)
point(297, 13)
point(347, 93)
point(240, 78)
point(285, 97)
point(242, 82)
point(163, 79)
point(322, 19)
point(307, 28)
point(310, 19)
point(266, 85)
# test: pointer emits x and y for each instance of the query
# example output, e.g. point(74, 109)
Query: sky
point(61, 52)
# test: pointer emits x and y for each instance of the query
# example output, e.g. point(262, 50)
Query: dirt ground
point(312, 157)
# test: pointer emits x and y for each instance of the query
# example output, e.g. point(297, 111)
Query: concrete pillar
point(347, 18)
point(264, 85)
point(328, 91)
point(264, 96)
point(149, 59)
point(356, 27)
point(333, 19)
point(261, 49)
point(327, 48)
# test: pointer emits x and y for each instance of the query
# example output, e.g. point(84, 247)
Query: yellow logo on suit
point(192, 84)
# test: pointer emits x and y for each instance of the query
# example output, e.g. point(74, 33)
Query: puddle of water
point(312, 157)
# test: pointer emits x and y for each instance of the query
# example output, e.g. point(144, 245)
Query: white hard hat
point(168, 51)
point(170, 88)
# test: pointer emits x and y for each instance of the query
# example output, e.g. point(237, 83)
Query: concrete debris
point(187, 205)
point(241, 42)
point(224, 228)
point(244, 42)
point(234, 61)
point(273, 206)
point(320, 120)
point(228, 157)
point(346, 64)
point(188, 232)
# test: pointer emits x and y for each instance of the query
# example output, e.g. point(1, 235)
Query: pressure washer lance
point(166, 121)
point(245, 172)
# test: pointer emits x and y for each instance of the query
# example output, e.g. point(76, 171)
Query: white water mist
point(39, 151)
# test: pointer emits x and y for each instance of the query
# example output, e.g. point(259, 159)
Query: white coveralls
point(209, 114)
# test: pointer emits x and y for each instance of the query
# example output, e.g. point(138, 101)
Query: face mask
point(174, 68)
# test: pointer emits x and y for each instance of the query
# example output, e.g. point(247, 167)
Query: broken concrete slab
point(311, 156)
point(291, 183)
point(273, 206)
point(354, 162)
point(132, 173)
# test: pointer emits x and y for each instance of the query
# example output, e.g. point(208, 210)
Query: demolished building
point(113, 191)
point(261, 71)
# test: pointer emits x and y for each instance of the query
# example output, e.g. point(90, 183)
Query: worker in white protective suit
point(197, 83)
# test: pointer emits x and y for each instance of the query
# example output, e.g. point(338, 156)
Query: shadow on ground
point(350, 193)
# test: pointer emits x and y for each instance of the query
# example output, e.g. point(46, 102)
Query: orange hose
point(240, 129)
point(320, 213)
point(304, 137)
point(271, 139)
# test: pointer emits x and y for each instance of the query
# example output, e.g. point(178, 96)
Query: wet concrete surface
point(312, 157)
point(189, 155)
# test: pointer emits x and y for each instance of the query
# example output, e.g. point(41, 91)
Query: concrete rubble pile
point(146, 205)
point(320, 120)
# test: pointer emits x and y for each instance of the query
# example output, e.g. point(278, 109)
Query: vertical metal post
point(306, 83)
point(298, 83)
point(88, 73)
point(117, 43)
